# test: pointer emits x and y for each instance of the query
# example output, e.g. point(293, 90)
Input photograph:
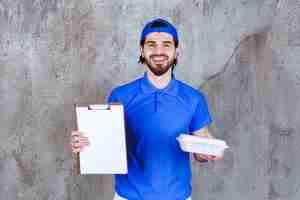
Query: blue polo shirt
point(157, 168)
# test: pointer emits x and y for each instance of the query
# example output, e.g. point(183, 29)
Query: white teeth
point(158, 58)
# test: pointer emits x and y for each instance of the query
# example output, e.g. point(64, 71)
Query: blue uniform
point(157, 168)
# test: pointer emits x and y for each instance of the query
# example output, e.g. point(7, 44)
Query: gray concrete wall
point(244, 55)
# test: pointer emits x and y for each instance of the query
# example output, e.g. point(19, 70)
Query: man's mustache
point(164, 55)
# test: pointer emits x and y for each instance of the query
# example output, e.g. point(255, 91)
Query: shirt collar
point(147, 87)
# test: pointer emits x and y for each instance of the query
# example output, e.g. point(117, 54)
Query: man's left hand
point(205, 158)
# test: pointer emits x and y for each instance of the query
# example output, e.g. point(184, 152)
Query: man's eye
point(150, 45)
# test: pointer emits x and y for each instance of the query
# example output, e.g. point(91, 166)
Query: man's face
point(159, 52)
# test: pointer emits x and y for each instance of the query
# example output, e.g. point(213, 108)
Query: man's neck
point(162, 81)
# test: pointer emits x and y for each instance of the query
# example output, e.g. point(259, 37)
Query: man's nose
point(158, 49)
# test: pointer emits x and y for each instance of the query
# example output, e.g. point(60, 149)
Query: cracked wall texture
point(244, 55)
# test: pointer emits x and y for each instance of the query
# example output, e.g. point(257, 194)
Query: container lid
point(196, 139)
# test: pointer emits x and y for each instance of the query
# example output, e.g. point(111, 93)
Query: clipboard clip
point(99, 107)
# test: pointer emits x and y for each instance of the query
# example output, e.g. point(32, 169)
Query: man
point(158, 108)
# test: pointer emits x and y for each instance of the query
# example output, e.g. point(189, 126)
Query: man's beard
point(159, 69)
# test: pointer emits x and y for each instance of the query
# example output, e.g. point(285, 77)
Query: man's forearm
point(203, 133)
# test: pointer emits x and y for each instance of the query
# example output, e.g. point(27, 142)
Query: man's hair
point(157, 24)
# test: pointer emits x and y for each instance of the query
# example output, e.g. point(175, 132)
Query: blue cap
point(159, 25)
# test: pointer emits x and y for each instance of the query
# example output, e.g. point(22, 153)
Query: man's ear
point(142, 51)
point(176, 53)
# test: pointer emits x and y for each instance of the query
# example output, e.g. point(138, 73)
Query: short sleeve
point(112, 97)
point(201, 117)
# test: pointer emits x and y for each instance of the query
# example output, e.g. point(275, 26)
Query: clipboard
point(104, 125)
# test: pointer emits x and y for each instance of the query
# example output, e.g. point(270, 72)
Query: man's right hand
point(78, 141)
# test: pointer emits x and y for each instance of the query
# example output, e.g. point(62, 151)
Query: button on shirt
point(157, 168)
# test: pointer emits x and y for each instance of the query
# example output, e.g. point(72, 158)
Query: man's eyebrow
point(150, 41)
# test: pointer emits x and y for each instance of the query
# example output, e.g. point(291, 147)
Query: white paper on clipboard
point(104, 125)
